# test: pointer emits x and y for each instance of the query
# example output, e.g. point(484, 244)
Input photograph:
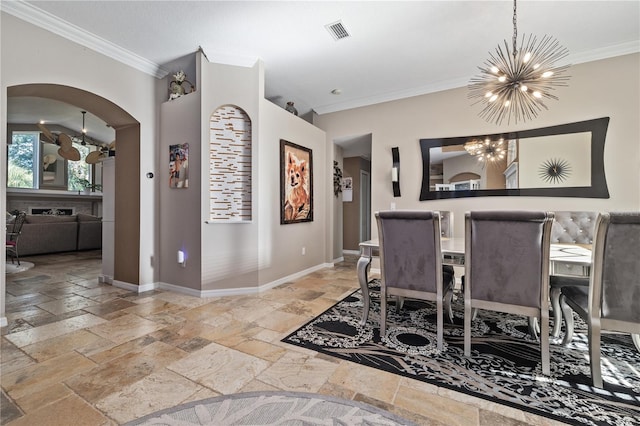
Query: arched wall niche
point(127, 163)
point(230, 165)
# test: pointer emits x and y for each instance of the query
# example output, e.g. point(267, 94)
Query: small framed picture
point(179, 166)
point(296, 183)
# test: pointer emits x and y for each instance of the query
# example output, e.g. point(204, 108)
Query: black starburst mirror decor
point(554, 170)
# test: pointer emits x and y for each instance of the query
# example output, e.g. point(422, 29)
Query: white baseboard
point(240, 290)
point(133, 287)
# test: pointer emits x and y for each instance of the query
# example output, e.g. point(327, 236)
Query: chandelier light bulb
point(527, 75)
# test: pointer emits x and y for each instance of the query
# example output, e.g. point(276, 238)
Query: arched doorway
point(127, 164)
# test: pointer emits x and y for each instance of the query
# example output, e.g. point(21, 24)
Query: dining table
point(565, 259)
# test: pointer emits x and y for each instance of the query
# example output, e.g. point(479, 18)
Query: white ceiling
point(396, 49)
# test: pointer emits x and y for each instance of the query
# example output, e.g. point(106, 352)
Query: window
point(22, 155)
point(26, 151)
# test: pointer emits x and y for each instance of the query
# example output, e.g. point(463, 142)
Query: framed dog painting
point(296, 183)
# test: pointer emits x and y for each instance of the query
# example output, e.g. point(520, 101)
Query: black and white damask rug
point(504, 366)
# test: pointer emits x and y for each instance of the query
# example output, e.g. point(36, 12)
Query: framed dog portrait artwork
point(296, 183)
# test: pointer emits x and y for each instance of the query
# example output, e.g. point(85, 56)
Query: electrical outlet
point(393, 206)
point(304, 251)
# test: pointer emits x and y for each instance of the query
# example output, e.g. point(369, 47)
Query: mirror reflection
point(564, 160)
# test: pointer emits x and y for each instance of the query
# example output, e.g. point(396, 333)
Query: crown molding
point(49, 22)
point(621, 49)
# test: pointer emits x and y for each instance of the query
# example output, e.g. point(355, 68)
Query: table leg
point(554, 294)
point(363, 267)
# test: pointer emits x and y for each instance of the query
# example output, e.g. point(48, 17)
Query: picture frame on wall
point(179, 166)
point(296, 183)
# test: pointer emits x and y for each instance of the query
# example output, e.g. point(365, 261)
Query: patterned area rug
point(504, 366)
point(273, 408)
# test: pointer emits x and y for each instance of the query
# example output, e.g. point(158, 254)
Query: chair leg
point(554, 294)
point(399, 303)
point(467, 328)
point(544, 341)
point(534, 327)
point(383, 312)
point(439, 323)
point(636, 341)
point(594, 355)
point(568, 319)
point(448, 299)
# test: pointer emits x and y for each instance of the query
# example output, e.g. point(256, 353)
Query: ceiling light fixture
point(84, 129)
point(486, 150)
point(514, 84)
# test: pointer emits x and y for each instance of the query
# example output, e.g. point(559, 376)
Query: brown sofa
point(43, 234)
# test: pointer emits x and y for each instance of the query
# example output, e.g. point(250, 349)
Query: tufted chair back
point(573, 227)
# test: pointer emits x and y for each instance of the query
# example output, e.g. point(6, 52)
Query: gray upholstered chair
point(411, 261)
point(569, 227)
point(507, 268)
point(610, 301)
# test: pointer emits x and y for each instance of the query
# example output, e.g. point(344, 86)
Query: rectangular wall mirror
point(559, 161)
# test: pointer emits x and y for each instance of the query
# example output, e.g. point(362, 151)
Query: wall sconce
point(395, 171)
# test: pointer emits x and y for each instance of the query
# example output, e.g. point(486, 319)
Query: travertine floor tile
point(70, 410)
point(157, 391)
point(38, 376)
point(298, 372)
point(44, 332)
point(125, 328)
point(374, 383)
point(111, 377)
point(217, 367)
point(436, 407)
point(51, 348)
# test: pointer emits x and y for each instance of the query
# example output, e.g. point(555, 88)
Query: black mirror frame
point(598, 189)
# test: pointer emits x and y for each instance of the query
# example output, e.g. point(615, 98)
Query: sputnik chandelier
point(486, 150)
point(514, 85)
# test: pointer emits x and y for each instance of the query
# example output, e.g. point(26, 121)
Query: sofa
point(42, 234)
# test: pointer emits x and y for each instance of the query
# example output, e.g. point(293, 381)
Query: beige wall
point(606, 88)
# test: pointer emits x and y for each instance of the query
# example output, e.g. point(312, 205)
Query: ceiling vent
point(337, 30)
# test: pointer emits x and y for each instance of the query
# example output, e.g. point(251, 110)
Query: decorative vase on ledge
point(291, 108)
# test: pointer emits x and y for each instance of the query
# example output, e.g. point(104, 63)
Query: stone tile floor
point(79, 352)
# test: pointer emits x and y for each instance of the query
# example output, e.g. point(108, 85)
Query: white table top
point(569, 253)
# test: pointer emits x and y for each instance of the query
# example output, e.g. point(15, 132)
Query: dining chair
point(507, 268)
point(609, 301)
point(11, 243)
point(411, 262)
